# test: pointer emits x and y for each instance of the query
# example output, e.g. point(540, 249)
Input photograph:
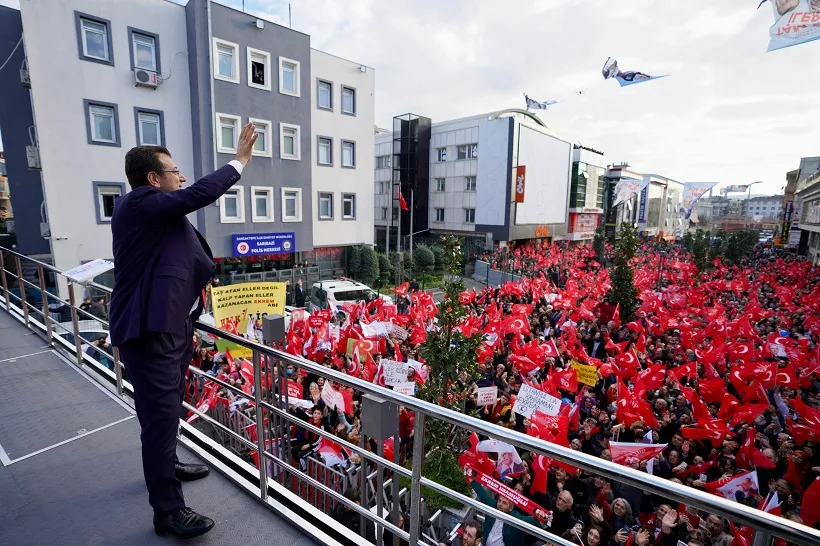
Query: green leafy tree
point(451, 356)
point(438, 253)
point(369, 265)
point(688, 240)
point(354, 261)
point(623, 291)
point(599, 244)
point(423, 260)
point(699, 247)
point(739, 244)
point(385, 267)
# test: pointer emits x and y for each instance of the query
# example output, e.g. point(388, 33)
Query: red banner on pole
point(520, 500)
point(520, 182)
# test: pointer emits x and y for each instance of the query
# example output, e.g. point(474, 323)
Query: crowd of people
point(719, 370)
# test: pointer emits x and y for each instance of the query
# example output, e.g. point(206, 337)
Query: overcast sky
point(729, 112)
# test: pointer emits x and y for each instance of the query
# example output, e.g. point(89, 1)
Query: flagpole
point(412, 206)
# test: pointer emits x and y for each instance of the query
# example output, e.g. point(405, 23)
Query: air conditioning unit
point(145, 78)
point(25, 78)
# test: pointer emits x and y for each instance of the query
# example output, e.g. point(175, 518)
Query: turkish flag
point(740, 350)
point(627, 453)
point(616, 316)
point(810, 507)
point(524, 364)
point(550, 350)
point(689, 370)
point(513, 324)
point(401, 290)
point(728, 406)
point(247, 371)
point(787, 377)
point(803, 433)
point(627, 363)
point(747, 413)
point(695, 433)
point(749, 455)
point(711, 390)
point(809, 415)
point(403, 203)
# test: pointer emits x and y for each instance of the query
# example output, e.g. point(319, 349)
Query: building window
point(227, 133)
point(324, 95)
point(469, 216)
point(349, 206)
point(258, 69)
point(384, 213)
point(349, 101)
point(325, 206)
point(105, 196)
point(226, 61)
point(289, 141)
point(288, 76)
point(439, 215)
point(150, 127)
point(469, 183)
point(144, 50)
point(441, 185)
point(441, 154)
point(383, 162)
point(102, 123)
point(291, 205)
point(325, 151)
point(382, 188)
point(94, 38)
point(395, 215)
point(348, 154)
point(262, 146)
point(468, 151)
point(232, 206)
point(262, 204)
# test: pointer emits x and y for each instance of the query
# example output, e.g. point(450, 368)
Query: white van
point(341, 291)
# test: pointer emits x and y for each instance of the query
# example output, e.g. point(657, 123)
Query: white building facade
point(342, 163)
point(81, 58)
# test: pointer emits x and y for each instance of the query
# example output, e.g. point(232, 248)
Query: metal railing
point(273, 438)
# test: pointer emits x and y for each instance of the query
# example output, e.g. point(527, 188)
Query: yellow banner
point(233, 305)
point(588, 375)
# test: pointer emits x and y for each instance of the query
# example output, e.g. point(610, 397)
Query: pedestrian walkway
point(71, 469)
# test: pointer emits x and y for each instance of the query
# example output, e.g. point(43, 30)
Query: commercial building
point(655, 210)
point(107, 76)
point(586, 194)
point(806, 212)
point(764, 207)
point(491, 178)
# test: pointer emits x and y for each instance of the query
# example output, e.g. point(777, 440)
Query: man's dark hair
point(142, 160)
point(475, 525)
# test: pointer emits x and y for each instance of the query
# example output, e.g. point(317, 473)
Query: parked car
point(341, 291)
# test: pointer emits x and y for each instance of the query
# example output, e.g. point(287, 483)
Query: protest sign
point(233, 305)
point(519, 499)
point(408, 388)
point(487, 396)
point(531, 399)
point(394, 372)
point(294, 389)
point(588, 375)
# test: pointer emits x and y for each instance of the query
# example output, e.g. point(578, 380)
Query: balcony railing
point(309, 487)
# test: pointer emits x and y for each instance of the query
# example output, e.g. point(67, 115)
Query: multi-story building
point(655, 211)
point(106, 76)
point(495, 177)
point(712, 208)
point(586, 194)
point(763, 207)
point(806, 212)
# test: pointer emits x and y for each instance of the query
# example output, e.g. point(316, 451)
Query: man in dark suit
point(162, 265)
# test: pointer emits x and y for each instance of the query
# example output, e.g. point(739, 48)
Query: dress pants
point(156, 364)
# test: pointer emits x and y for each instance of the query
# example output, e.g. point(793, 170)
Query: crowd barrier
point(283, 480)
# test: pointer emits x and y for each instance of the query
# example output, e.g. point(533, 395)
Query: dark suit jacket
point(162, 263)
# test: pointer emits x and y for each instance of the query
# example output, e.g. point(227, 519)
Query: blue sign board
point(642, 206)
point(254, 244)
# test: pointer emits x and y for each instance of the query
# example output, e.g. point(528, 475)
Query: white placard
point(395, 330)
point(332, 397)
point(530, 399)
point(408, 388)
point(88, 271)
point(394, 372)
point(487, 396)
point(373, 329)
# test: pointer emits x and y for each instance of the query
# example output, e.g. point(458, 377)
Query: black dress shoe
point(190, 472)
point(183, 523)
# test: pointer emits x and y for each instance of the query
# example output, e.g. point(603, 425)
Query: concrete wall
point(240, 99)
point(334, 124)
point(15, 119)
point(61, 80)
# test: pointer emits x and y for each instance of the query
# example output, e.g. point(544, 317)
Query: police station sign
point(255, 244)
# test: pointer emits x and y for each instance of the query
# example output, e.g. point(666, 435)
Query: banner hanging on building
point(520, 182)
point(692, 191)
point(795, 22)
point(627, 188)
point(642, 208)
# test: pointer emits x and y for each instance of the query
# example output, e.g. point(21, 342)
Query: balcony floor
point(71, 468)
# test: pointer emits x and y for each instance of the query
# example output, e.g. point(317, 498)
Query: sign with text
point(255, 244)
point(395, 372)
point(627, 188)
point(588, 375)
point(294, 389)
point(89, 270)
point(531, 400)
point(408, 388)
point(234, 304)
point(520, 182)
point(487, 396)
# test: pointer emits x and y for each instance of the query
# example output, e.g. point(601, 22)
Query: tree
point(423, 260)
point(699, 247)
point(739, 245)
point(623, 291)
point(354, 261)
point(385, 268)
point(599, 244)
point(451, 357)
point(368, 266)
point(438, 253)
point(688, 240)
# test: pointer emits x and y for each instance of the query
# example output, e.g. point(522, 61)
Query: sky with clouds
point(729, 112)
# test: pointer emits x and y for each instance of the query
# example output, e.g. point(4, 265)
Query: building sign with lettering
point(520, 182)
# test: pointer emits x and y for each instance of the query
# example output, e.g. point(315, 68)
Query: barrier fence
point(306, 481)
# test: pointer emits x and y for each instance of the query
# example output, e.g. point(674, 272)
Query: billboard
point(520, 182)
point(255, 244)
point(549, 165)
